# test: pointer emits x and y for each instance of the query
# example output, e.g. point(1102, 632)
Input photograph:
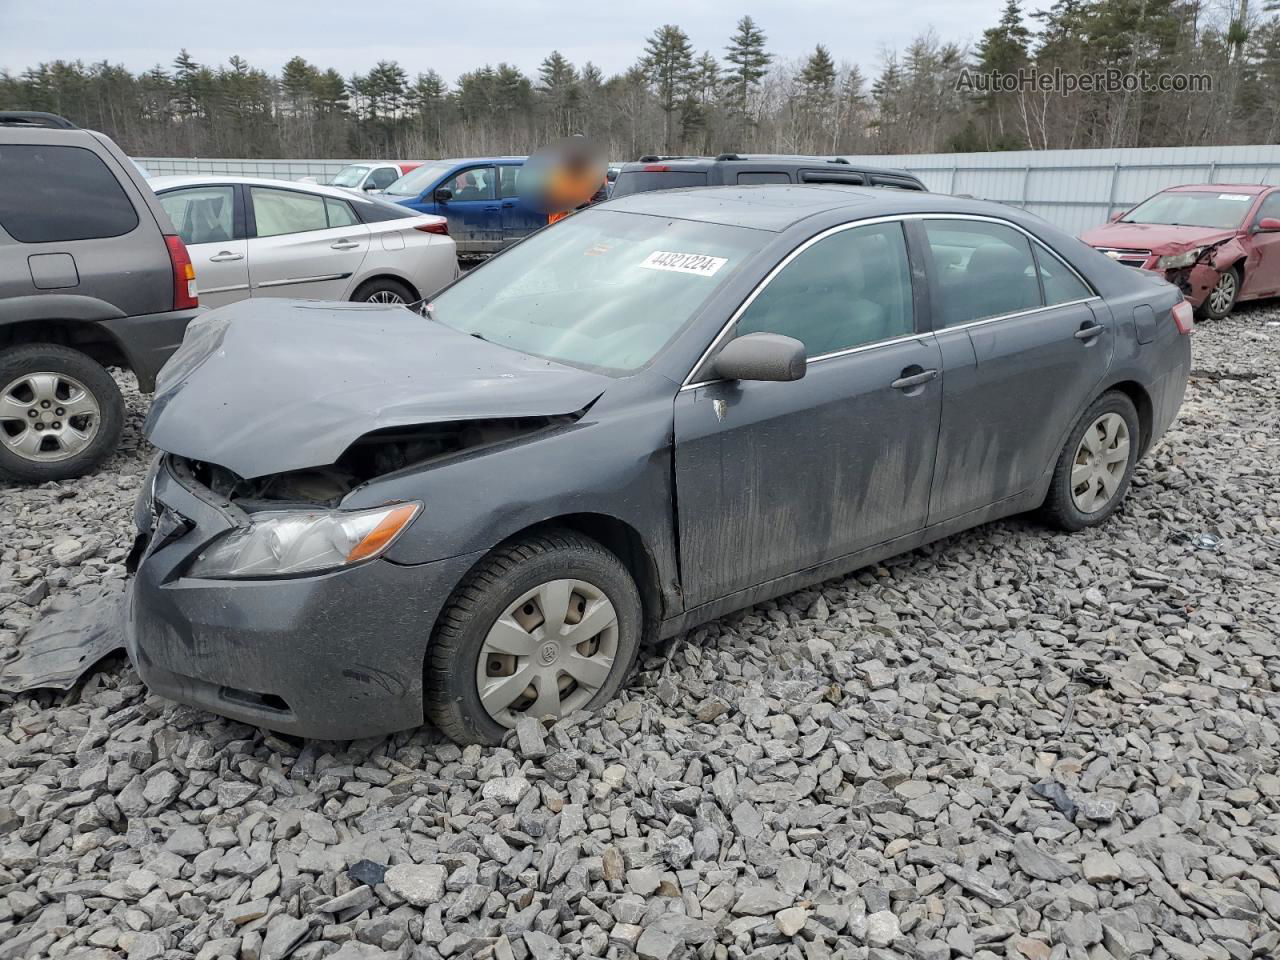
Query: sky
point(460, 35)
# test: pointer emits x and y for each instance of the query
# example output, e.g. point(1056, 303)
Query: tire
point(383, 290)
point(1076, 505)
point(507, 577)
point(1225, 293)
point(69, 445)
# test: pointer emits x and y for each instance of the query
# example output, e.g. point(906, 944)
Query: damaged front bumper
point(336, 655)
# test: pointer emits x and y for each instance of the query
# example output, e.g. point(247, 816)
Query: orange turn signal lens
point(381, 535)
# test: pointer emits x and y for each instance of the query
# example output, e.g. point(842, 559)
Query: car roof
point(776, 207)
point(190, 180)
point(1237, 187)
point(772, 159)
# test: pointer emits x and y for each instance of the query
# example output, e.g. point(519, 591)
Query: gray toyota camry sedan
point(659, 410)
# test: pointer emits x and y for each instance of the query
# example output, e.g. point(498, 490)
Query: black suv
point(666, 173)
point(92, 275)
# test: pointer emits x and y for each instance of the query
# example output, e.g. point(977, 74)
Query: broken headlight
point(1175, 260)
point(285, 542)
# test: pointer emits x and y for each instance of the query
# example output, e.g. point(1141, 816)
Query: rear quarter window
point(53, 194)
point(642, 181)
point(763, 176)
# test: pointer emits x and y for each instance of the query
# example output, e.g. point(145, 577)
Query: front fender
point(615, 464)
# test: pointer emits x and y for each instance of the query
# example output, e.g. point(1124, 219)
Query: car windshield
point(601, 289)
point(350, 176)
point(415, 181)
point(1221, 209)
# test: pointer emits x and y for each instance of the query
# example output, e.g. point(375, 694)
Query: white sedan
point(251, 237)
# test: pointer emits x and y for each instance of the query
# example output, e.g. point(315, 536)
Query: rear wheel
point(1222, 298)
point(383, 290)
point(61, 413)
point(544, 626)
point(1094, 469)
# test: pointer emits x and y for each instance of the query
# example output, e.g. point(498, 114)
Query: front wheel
point(1222, 298)
point(544, 626)
point(1094, 469)
point(61, 413)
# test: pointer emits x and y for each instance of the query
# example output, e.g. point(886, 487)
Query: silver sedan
point(251, 237)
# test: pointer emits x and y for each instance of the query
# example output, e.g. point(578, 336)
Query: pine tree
point(749, 59)
point(668, 65)
point(1004, 49)
point(558, 81)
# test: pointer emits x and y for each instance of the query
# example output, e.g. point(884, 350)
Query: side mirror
point(1117, 215)
point(761, 356)
point(443, 195)
point(370, 187)
point(1269, 225)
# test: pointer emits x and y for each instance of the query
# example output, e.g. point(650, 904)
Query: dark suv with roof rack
point(730, 169)
point(92, 274)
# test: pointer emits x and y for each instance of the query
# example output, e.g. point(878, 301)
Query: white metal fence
point(1073, 189)
point(1079, 189)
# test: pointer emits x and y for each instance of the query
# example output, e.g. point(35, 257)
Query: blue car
point(479, 196)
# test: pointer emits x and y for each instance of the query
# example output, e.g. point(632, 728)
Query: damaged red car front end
point(1218, 244)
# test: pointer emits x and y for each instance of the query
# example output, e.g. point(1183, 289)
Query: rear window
point(642, 181)
point(52, 194)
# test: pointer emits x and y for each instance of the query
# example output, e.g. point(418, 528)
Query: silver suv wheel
point(46, 417)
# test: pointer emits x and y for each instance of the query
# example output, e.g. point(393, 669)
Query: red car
point(1220, 243)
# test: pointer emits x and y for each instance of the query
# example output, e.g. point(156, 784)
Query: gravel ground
point(1013, 744)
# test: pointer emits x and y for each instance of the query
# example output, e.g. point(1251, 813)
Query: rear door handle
point(1088, 333)
point(344, 244)
point(914, 380)
point(224, 256)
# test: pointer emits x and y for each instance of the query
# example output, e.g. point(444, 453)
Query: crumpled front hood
point(1159, 238)
point(267, 386)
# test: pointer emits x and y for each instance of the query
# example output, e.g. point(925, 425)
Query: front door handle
point(344, 244)
point(909, 380)
point(1089, 332)
point(225, 255)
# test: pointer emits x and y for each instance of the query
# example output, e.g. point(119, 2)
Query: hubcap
point(1100, 463)
point(549, 653)
point(385, 296)
point(45, 417)
point(1223, 294)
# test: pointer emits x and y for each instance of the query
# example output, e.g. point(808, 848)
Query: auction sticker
point(699, 264)
point(1242, 197)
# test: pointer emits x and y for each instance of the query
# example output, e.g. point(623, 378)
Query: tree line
point(744, 98)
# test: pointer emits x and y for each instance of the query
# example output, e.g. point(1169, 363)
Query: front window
point(350, 176)
point(1219, 209)
point(601, 289)
point(847, 290)
point(414, 182)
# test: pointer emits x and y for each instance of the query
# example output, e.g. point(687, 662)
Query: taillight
point(184, 275)
point(1184, 315)
point(441, 227)
point(656, 168)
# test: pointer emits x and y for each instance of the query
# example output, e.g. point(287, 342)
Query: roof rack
point(34, 118)
point(654, 158)
point(839, 160)
point(728, 156)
